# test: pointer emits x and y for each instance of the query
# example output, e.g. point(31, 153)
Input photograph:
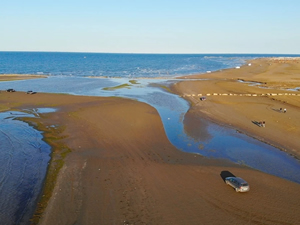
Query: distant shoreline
point(12, 77)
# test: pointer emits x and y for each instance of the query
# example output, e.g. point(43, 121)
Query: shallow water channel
point(24, 157)
point(221, 142)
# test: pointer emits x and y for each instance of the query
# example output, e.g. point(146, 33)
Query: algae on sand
point(117, 87)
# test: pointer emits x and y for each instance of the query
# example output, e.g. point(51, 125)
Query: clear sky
point(153, 26)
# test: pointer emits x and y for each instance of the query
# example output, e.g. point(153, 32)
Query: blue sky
point(131, 26)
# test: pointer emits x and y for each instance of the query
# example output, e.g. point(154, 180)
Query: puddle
point(294, 89)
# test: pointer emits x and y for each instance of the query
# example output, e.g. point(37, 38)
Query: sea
point(119, 65)
point(24, 156)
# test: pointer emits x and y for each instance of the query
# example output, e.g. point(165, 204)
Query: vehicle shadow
point(277, 110)
point(224, 174)
point(257, 123)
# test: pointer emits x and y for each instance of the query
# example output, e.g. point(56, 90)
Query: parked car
point(238, 184)
point(31, 92)
point(10, 90)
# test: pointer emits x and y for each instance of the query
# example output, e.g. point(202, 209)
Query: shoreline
point(226, 97)
point(141, 167)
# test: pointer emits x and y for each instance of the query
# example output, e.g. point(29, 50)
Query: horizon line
point(147, 53)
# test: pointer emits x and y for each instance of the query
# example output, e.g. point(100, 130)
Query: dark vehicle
point(10, 90)
point(238, 184)
point(203, 98)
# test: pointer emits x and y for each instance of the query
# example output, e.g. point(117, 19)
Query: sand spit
point(237, 104)
point(10, 77)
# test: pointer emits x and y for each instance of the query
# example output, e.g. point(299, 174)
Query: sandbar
point(10, 77)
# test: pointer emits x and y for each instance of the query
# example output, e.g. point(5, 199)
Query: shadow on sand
point(257, 123)
point(277, 110)
point(224, 174)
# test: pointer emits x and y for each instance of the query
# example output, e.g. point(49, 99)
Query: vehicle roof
point(238, 179)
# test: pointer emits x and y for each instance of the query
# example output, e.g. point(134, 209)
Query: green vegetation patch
point(134, 82)
point(117, 87)
point(165, 88)
point(53, 136)
point(3, 108)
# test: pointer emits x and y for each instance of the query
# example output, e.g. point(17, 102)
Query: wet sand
point(122, 169)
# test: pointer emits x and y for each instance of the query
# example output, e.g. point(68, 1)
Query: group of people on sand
point(282, 110)
point(263, 123)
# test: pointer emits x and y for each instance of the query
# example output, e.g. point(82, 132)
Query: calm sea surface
point(117, 65)
point(24, 155)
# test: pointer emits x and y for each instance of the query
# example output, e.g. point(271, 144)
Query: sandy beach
point(122, 169)
point(240, 98)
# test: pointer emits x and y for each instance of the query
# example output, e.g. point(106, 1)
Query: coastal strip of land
point(10, 77)
point(263, 90)
point(116, 166)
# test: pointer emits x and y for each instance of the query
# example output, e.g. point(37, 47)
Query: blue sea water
point(117, 65)
point(90, 73)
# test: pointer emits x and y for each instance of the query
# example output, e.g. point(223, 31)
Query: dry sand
point(122, 169)
point(276, 77)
